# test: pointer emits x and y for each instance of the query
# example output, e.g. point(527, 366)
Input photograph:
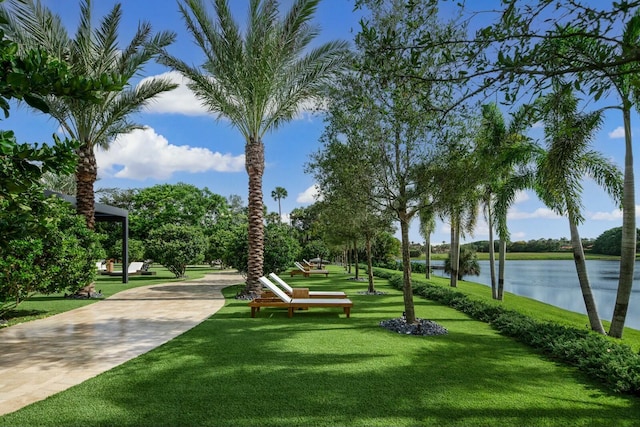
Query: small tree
point(281, 249)
point(176, 246)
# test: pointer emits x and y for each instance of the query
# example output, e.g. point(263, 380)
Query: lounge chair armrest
point(300, 293)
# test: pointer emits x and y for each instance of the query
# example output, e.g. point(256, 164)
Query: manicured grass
point(41, 306)
point(534, 309)
point(320, 368)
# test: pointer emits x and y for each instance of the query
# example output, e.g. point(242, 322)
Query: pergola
point(106, 213)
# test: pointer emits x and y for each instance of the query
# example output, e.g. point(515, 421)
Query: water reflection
point(556, 283)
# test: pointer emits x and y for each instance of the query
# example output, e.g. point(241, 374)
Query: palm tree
point(562, 168)
point(259, 80)
point(92, 52)
point(65, 184)
point(427, 226)
point(278, 194)
point(506, 154)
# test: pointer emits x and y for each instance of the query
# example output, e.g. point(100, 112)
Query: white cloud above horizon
point(310, 195)
point(178, 101)
point(614, 215)
point(181, 100)
point(617, 133)
point(543, 213)
point(144, 154)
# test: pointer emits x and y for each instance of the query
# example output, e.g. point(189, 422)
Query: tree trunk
point(502, 258)
point(254, 163)
point(427, 260)
point(86, 175)
point(355, 258)
point(454, 252)
point(628, 248)
point(492, 254)
point(407, 290)
point(583, 278)
point(372, 288)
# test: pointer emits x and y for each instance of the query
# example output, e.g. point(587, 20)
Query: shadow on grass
point(320, 368)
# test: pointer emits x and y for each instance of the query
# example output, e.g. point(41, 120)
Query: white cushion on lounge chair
point(289, 289)
point(276, 290)
point(135, 267)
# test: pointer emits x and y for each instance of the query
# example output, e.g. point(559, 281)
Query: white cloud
point(537, 125)
point(617, 133)
point(519, 235)
point(543, 213)
point(178, 101)
point(144, 154)
point(310, 195)
point(521, 196)
point(614, 215)
point(182, 101)
point(285, 218)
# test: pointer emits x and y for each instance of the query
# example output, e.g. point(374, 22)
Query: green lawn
point(320, 368)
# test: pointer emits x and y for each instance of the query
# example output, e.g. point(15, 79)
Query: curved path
point(46, 356)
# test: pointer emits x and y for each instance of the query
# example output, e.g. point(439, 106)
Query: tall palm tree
point(427, 227)
point(561, 169)
point(278, 194)
point(258, 79)
point(92, 52)
point(506, 154)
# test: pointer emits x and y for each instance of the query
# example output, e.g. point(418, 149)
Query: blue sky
point(183, 143)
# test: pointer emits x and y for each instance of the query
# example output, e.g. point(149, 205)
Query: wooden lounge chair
point(307, 272)
point(134, 268)
point(285, 301)
point(312, 294)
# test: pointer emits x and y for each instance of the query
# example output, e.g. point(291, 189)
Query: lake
point(556, 282)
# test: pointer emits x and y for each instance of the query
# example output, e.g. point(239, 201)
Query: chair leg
point(290, 311)
point(347, 311)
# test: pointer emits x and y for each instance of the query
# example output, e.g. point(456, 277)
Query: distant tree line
point(607, 243)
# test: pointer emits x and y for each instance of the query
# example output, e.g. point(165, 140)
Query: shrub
point(137, 250)
point(615, 365)
point(280, 249)
point(176, 246)
point(60, 257)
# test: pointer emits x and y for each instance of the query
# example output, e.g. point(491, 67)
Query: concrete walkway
point(44, 357)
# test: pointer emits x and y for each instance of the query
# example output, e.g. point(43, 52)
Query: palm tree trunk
point(372, 288)
point(254, 163)
point(407, 290)
point(86, 175)
point(454, 254)
point(427, 261)
point(583, 278)
point(628, 248)
point(492, 254)
point(502, 255)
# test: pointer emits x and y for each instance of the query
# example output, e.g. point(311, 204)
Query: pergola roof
point(104, 213)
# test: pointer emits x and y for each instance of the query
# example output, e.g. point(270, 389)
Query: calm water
point(556, 283)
